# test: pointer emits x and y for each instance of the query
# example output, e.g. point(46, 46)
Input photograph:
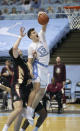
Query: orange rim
point(72, 7)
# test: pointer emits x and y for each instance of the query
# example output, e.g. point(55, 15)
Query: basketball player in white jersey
point(38, 68)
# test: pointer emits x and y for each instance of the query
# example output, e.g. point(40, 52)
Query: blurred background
point(28, 9)
point(61, 39)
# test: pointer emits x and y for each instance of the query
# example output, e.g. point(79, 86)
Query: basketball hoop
point(73, 14)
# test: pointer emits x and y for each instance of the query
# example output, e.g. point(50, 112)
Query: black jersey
point(21, 71)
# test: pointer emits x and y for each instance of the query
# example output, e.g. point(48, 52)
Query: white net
point(73, 15)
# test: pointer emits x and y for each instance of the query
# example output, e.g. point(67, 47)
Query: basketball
point(43, 18)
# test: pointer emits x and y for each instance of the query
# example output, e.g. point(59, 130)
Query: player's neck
point(58, 63)
point(35, 40)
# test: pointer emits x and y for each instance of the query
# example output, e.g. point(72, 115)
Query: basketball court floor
point(54, 122)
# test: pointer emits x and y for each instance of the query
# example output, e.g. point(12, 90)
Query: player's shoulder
point(32, 46)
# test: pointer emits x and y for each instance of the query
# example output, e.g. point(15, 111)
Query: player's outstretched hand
point(41, 12)
point(22, 33)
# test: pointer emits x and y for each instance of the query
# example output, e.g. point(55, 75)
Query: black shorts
point(21, 92)
point(25, 93)
point(16, 92)
point(39, 107)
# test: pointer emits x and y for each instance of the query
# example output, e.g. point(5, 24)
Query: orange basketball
point(43, 18)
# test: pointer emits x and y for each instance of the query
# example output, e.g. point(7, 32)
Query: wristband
point(20, 36)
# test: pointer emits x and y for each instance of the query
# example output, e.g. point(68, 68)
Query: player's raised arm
point(16, 44)
point(43, 19)
point(44, 28)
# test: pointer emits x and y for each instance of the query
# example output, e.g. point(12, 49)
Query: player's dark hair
point(29, 32)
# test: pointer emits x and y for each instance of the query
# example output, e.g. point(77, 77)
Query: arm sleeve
point(42, 36)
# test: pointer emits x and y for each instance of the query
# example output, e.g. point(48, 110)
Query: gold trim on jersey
point(21, 75)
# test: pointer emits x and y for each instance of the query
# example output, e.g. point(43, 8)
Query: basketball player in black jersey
point(21, 76)
point(19, 91)
point(40, 109)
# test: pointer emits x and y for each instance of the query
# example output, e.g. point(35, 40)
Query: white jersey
point(41, 49)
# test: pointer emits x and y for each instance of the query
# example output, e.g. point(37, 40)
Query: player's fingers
point(41, 12)
point(22, 29)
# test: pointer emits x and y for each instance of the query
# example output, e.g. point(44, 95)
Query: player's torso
point(42, 52)
point(20, 72)
point(59, 69)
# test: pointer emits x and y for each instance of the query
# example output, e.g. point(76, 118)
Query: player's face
point(34, 36)
point(7, 63)
point(58, 60)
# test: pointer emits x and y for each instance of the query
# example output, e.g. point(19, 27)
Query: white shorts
point(41, 75)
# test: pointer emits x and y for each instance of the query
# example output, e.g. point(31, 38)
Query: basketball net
point(73, 14)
